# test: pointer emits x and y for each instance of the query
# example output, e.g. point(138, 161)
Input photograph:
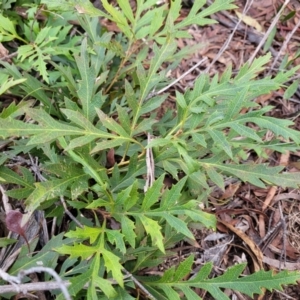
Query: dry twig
point(62, 200)
point(129, 275)
point(226, 44)
point(284, 46)
point(273, 24)
point(150, 166)
point(24, 288)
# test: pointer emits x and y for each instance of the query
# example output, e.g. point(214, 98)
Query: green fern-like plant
point(91, 95)
point(168, 286)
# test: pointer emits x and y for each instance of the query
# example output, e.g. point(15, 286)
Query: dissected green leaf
point(86, 86)
point(117, 238)
point(216, 177)
point(258, 174)
point(128, 227)
point(221, 141)
point(234, 106)
point(112, 264)
point(119, 18)
point(249, 285)
point(154, 230)
point(106, 286)
point(111, 124)
point(77, 283)
point(178, 224)
point(7, 29)
point(153, 193)
point(77, 250)
point(4, 242)
point(9, 83)
point(290, 91)
point(85, 233)
point(48, 190)
point(172, 196)
point(15, 110)
point(278, 126)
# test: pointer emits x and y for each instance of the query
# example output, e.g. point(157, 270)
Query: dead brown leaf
point(257, 262)
point(3, 51)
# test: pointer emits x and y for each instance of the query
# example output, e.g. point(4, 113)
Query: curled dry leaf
point(249, 21)
point(14, 223)
point(258, 256)
point(111, 158)
point(3, 51)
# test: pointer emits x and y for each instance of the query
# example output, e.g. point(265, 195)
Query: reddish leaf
point(110, 158)
point(13, 223)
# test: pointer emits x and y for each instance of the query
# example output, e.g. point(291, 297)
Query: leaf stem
point(124, 163)
point(125, 59)
point(88, 168)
